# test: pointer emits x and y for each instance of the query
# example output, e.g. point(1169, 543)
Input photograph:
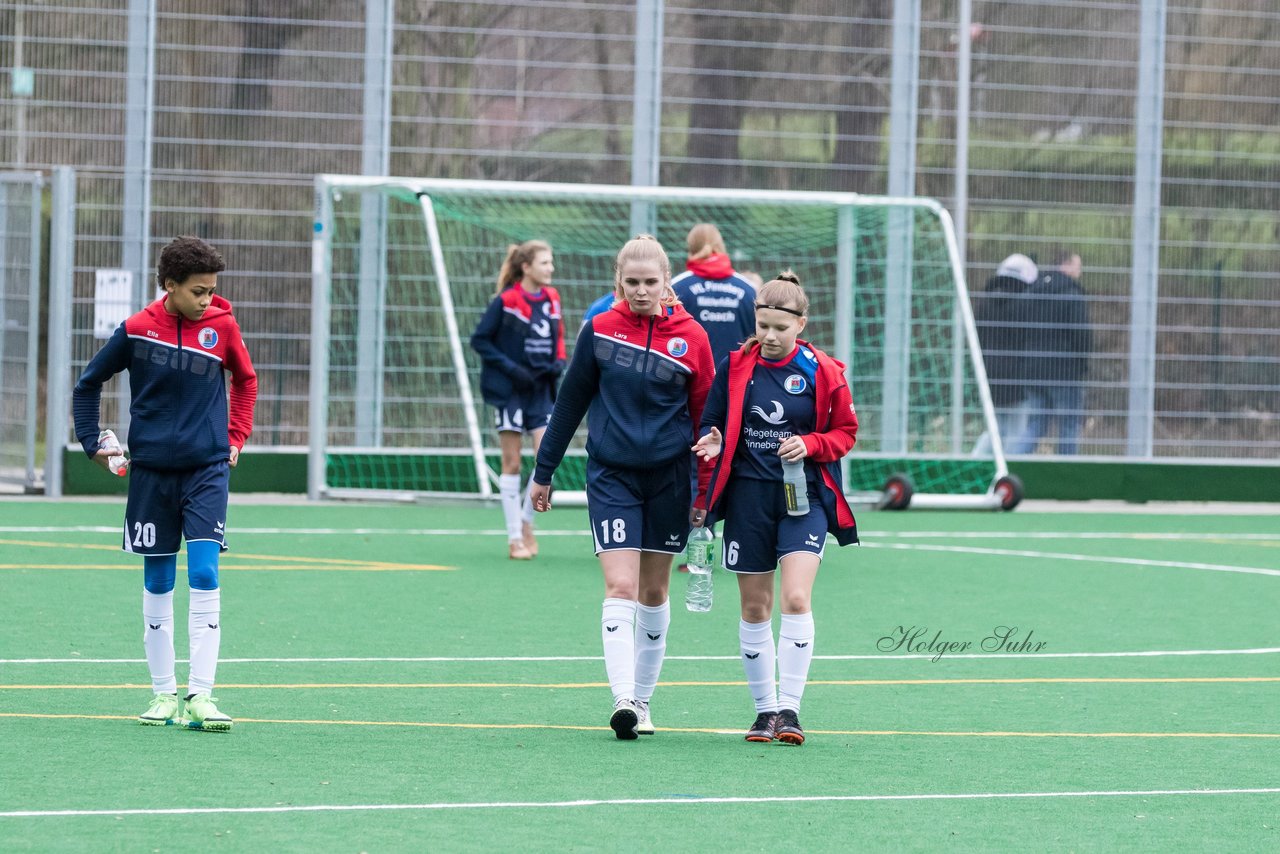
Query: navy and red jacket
point(834, 435)
point(519, 332)
point(178, 396)
point(641, 381)
point(718, 298)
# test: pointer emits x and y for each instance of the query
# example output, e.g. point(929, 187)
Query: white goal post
point(402, 269)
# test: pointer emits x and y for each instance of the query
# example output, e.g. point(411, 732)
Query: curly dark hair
point(185, 257)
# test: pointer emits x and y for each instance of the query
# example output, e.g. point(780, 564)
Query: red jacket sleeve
point(703, 373)
point(244, 390)
point(561, 353)
point(838, 436)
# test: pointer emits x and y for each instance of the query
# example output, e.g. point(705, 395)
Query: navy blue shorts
point(167, 506)
point(643, 509)
point(524, 412)
point(758, 533)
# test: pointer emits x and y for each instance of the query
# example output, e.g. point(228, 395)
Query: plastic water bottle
point(697, 596)
point(795, 487)
point(118, 463)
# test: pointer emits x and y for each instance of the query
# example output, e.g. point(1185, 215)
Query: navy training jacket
point(641, 381)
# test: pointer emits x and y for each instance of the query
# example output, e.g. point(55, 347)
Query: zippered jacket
point(178, 410)
point(520, 340)
point(721, 300)
point(641, 381)
point(835, 434)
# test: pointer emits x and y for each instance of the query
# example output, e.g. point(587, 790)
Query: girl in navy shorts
point(776, 398)
point(640, 374)
point(521, 345)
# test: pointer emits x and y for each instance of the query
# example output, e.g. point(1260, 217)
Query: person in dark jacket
point(1058, 367)
point(776, 399)
point(717, 296)
point(640, 374)
point(1005, 330)
point(183, 440)
point(520, 339)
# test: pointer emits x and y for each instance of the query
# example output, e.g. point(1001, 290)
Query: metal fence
point(212, 117)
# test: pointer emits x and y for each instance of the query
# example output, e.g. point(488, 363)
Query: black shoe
point(786, 728)
point(762, 729)
point(624, 719)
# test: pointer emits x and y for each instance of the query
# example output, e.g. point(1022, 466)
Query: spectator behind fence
point(1059, 360)
point(1003, 316)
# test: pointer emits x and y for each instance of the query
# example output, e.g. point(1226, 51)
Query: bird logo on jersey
point(677, 347)
point(208, 338)
point(775, 417)
point(795, 384)
point(540, 322)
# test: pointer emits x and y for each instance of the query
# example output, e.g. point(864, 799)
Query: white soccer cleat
point(644, 724)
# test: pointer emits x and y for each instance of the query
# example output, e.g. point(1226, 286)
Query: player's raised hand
point(710, 445)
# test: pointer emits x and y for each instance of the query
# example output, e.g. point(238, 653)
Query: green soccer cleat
point(203, 715)
point(163, 711)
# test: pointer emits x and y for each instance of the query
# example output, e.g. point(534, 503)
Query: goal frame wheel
point(1009, 490)
point(898, 490)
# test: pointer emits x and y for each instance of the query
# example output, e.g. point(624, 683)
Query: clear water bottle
point(697, 596)
point(795, 488)
point(118, 463)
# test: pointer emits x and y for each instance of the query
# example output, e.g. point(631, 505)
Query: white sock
point(526, 506)
point(650, 620)
point(617, 631)
point(509, 489)
point(206, 637)
point(157, 640)
point(756, 642)
point(795, 652)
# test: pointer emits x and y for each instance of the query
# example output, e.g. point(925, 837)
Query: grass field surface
point(1042, 681)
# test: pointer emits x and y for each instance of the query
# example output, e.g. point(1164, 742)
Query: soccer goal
point(403, 268)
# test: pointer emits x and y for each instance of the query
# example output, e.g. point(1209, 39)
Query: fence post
point(1145, 278)
point(62, 248)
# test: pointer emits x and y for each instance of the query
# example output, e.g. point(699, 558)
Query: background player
point(520, 340)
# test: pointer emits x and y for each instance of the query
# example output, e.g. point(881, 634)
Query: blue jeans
point(1062, 405)
point(1012, 424)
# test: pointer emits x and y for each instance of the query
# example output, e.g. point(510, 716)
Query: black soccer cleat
point(786, 728)
point(624, 719)
point(762, 729)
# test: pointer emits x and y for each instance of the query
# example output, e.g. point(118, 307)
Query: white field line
point(444, 659)
point(501, 532)
point(1086, 558)
point(754, 800)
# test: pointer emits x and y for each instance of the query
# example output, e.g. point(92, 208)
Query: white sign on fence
point(112, 300)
